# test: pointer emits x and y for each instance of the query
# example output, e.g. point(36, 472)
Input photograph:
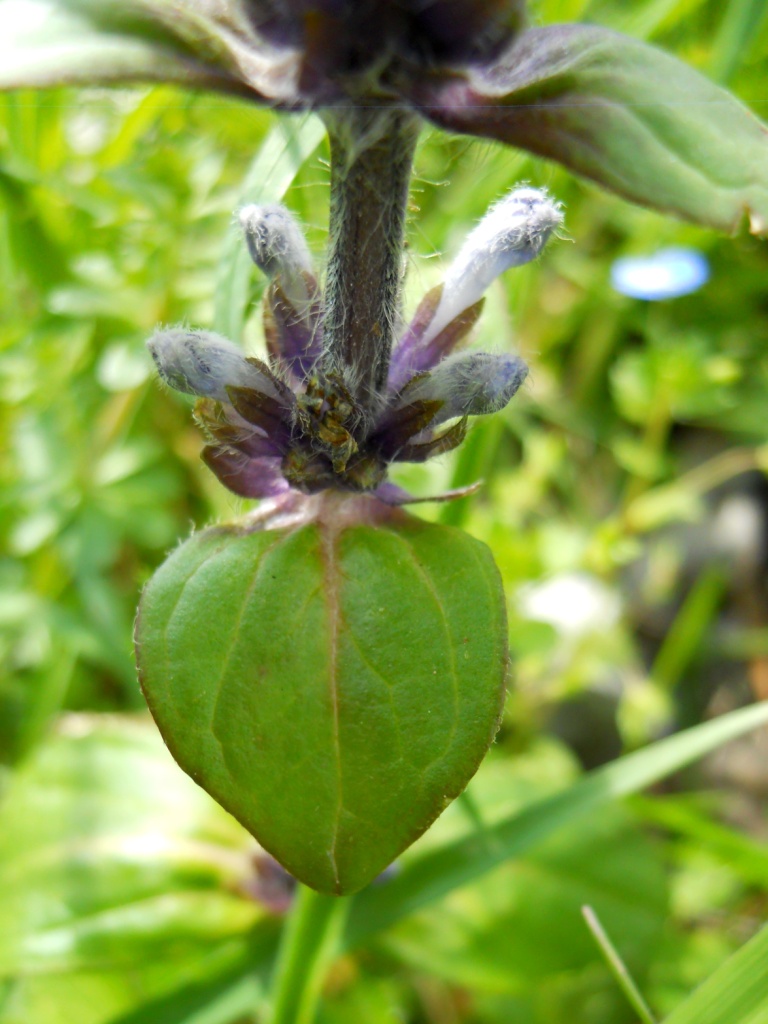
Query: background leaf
point(54, 42)
point(121, 884)
point(281, 155)
point(624, 114)
point(429, 877)
point(737, 993)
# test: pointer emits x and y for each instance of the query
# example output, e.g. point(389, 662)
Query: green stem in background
point(740, 24)
point(474, 462)
point(617, 967)
point(371, 157)
point(309, 942)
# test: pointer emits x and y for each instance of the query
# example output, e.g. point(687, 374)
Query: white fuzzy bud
point(278, 247)
point(470, 384)
point(204, 363)
point(513, 232)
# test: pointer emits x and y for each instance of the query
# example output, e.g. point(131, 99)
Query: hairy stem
point(371, 157)
point(309, 942)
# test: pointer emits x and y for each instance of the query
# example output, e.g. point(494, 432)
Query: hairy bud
point(204, 363)
point(513, 232)
point(470, 384)
point(278, 247)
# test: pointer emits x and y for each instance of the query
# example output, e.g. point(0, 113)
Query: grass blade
point(617, 967)
point(737, 993)
point(437, 873)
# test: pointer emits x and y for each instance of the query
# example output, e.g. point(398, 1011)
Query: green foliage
point(119, 883)
point(642, 431)
point(362, 666)
point(738, 991)
point(629, 117)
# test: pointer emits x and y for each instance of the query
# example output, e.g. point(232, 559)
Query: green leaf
point(280, 157)
point(123, 887)
point(622, 113)
point(737, 993)
point(333, 685)
point(59, 42)
point(496, 934)
point(433, 875)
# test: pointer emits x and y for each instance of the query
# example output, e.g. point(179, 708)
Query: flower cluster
point(300, 420)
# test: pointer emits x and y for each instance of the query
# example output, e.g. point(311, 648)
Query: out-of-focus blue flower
point(666, 274)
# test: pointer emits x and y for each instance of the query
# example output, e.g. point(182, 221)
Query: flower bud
point(513, 232)
point(278, 247)
point(204, 363)
point(470, 384)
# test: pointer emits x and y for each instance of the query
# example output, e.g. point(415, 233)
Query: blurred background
point(624, 496)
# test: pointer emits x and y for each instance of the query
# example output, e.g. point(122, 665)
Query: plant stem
point(309, 942)
point(371, 158)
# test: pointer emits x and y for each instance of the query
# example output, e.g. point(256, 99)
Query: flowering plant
point(304, 423)
point(331, 669)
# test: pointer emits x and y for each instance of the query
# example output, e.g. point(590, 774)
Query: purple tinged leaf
point(436, 445)
point(623, 113)
point(262, 411)
point(222, 424)
point(392, 494)
point(465, 31)
point(403, 423)
point(416, 352)
point(247, 477)
point(294, 341)
point(347, 37)
point(203, 363)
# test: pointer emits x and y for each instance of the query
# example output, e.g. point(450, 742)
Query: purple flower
point(294, 423)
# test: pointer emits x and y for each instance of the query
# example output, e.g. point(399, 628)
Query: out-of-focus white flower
point(575, 603)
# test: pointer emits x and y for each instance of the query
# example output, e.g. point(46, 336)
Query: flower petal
point(277, 246)
point(666, 274)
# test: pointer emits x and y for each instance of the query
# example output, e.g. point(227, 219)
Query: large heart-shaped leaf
point(334, 687)
point(621, 112)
